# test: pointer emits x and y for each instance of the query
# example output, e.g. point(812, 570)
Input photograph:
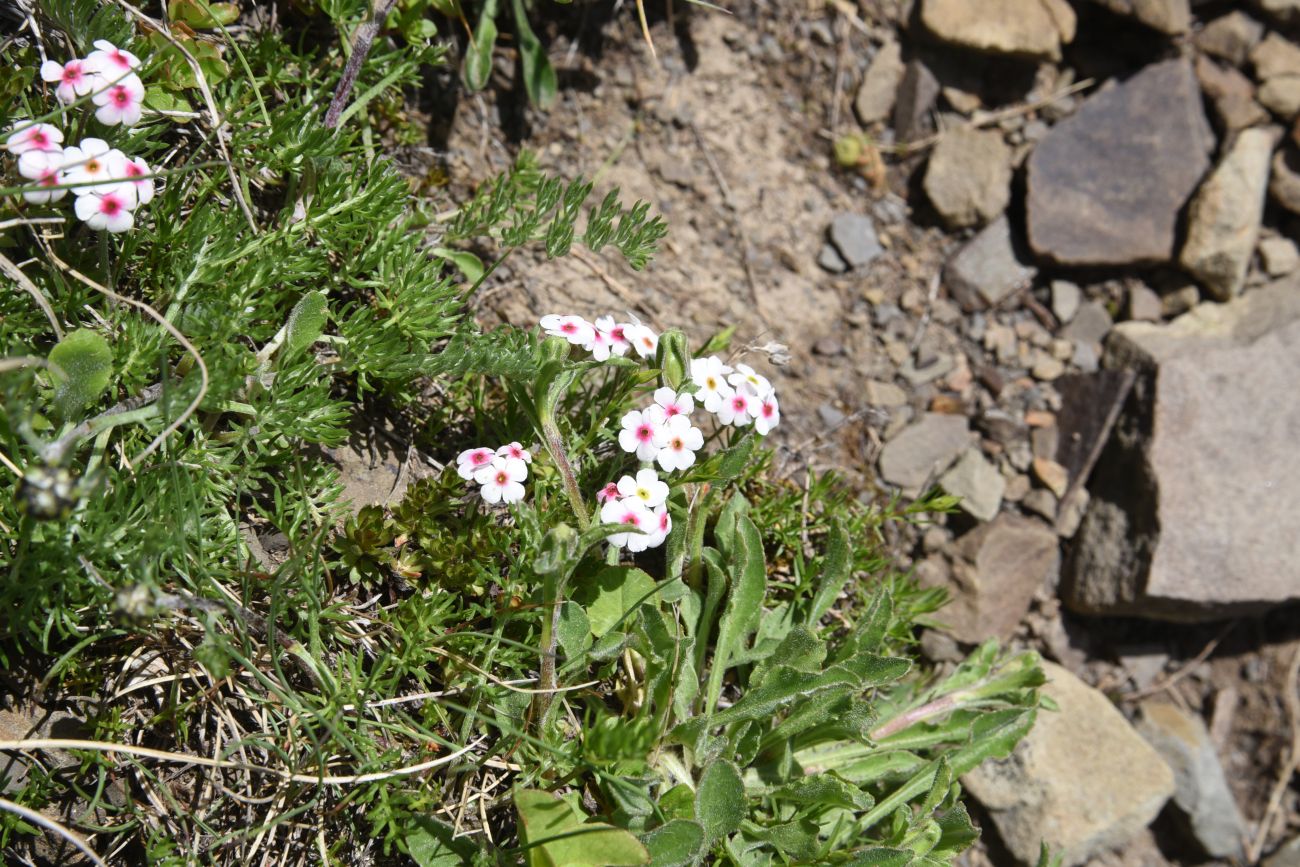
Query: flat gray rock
point(988, 268)
point(1225, 216)
point(923, 450)
point(968, 178)
point(1195, 509)
point(1107, 183)
point(1082, 780)
point(854, 236)
point(1202, 796)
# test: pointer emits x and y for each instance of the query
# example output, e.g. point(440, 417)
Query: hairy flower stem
point(555, 445)
point(553, 588)
point(917, 714)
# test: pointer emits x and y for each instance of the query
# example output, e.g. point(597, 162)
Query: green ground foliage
point(441, 681)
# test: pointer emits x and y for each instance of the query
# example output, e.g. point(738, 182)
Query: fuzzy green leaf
point(744, 605)
point(478, 55)
point(611, 593)
point(84, 365)
point(539, 75)
point(720, 804)
point(556, 835)
point(837, 566)
point(675, 844)
point(306, 323)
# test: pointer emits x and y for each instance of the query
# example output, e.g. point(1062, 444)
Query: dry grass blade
point(187, 759)
point(16, 274)
point(50, 825)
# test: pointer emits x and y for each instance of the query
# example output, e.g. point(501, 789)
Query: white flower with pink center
point(632, 514)
point(768, 415)
point(601, 344)
point(661, 524)
point(93, 166)
point(110, 61)
point(137, 172)
point(120, 103)
point(73, 79)
point(471, 461)
point(680, 443)
point(642, 339)
point(642, 434)
point(674, 403)
point(502, 481)
point(618, 342)
point(710, 378)
point(46, 168)
point(515, 452)
point(739, 409)
point(108, 209)
point(607, 493)
point(34, 137)
point(646, 487)
point(574, 329)
point(745, 378)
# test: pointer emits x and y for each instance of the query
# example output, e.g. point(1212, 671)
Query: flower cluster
point(736, 396)
point(108, 185)
point(500, 474)
point(604, 337)
point(663, 431)
point(641, 504)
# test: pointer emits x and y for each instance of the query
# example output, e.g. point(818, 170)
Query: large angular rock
point(917, 94)
point(1107, 183)
point(923, 450)
point(1195, 506)
point(1225, 216)
point(1202, 795)
point(1282, 11)
point(968, 178)
point(1170, 17)
point(1082, 780)
point(1027, 28)
point(875, 98)
point(994, 573)
point(988, 268)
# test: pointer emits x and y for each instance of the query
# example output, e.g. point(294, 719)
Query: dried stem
point(361, 43)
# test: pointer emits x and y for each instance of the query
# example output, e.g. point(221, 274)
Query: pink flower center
point(645, 433)
point(569, 328)
point(502, 478)
point(110, 205)
point(630, 518)
point(119, 59)
point(617, 334)
point(121, 97)
point(676, 444)
point(768, 410)
point(134, 171)
point(40, 139)
point(480, 457)
point(663, 522)
point(672, 409)
point(738, 403)
point(72, 74)
point(49, 178)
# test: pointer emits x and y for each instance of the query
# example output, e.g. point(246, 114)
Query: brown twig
point(361, 44)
